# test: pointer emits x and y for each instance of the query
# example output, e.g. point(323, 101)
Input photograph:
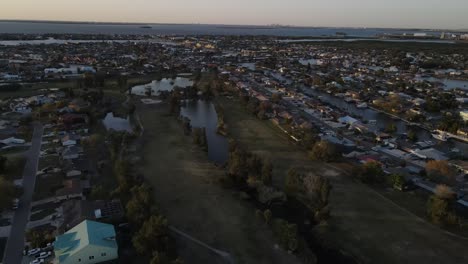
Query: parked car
point(15, 203)
point(44, 255)
point(33, 251)
point(37, 261)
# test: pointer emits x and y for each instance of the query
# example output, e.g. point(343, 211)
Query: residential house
point(89, 242)
point(76, 211)
point(73, 188)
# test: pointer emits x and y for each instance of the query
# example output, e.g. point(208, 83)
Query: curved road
point(15, 243)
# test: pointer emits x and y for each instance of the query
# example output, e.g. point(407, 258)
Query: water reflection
point(112, 122)
point(203, 114)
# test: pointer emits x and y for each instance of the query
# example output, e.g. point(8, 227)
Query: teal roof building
point(89, 242)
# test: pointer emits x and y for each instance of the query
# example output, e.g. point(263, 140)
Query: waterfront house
point(89, 242)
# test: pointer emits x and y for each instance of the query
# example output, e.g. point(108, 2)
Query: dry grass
point(186, 188)
point(364, 223)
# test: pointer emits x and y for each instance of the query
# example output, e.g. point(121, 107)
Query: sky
point(441, 14)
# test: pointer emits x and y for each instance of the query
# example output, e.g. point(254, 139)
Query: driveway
point(15, 243)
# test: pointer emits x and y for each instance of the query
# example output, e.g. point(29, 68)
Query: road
point(15, 243)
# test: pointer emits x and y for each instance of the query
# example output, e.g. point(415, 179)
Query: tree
point(286, 234)
point(293, 182)
point(140, 206)
point(276, 98)
point(440, 207)
point(7, 193)
point(267, 215)
point(152, 236)
point(38, 238)
point(440, 170)
point(324, 151)
point(412, 136)
point(267, 172)
point(398, 181)
point(391, 128)
point(371, 172)
point(317, 191)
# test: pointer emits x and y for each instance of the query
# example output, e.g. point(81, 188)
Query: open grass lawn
point(186, 189)
point(364, 223)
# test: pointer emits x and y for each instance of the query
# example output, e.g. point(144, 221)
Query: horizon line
point(217, 24)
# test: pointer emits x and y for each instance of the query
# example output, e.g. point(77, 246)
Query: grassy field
point(186, 189)
point(364, 223)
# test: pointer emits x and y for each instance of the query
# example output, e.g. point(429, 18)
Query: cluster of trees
point(370, 173)
point(440, 171)
point(312, 189)
point(451, 122)
point(391, 104)
point(244, 166)
point(325, 151)
point(7, 193)
point(255, 107)
point(39, 238)
point(7, 190)
point(284, 231)
point(440, 207)
point(149, 228)
point(439, 102)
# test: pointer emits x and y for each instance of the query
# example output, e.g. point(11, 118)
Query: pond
point(203, 114)
point(165, 84)
point(112, 122)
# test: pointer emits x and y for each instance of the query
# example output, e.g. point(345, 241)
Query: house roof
point(84, 234)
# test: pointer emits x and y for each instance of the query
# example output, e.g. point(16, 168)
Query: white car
point(44, 255)
point(33, 251)
point(37, 261)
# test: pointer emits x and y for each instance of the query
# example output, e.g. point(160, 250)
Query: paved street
point(15, 244)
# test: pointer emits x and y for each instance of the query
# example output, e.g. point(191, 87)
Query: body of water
point(163, 85)
point(448, 84)
point(112, 122)
point(193, 29)
point(363, 39)
point(383, 120)
point(203, 114)
point(51, 41)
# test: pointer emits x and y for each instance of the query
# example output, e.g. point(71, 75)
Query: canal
point(367, 114)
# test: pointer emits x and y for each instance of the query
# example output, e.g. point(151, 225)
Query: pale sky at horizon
point(450, 14)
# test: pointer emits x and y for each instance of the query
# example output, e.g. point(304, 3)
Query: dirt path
point(187, 191)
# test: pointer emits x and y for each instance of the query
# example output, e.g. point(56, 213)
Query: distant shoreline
point(222, 25)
